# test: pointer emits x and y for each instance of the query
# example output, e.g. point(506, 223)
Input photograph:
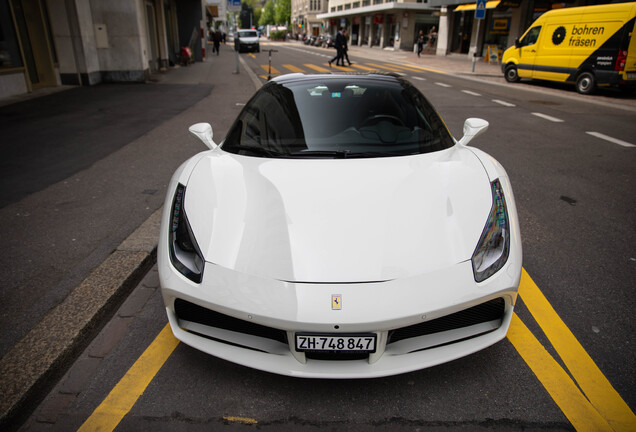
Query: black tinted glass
point(338, 117)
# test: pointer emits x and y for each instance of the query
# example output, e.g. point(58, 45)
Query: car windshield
point(337, 117)
point(247, 33)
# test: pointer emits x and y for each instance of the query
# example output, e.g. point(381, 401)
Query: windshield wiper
point(257, 151)
point(333, 154)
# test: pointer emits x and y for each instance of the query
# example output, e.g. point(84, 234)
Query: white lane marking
point(472, 93)
point(610, 139)
point(418, 78)
point(443, 84)
point(547, 117)
point(504, 103)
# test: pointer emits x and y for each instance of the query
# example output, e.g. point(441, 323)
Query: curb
point(39, 358)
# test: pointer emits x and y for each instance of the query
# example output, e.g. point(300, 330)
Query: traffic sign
point(480, 10)
point(233, 5)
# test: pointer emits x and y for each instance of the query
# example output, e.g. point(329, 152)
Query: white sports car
point(339, 231)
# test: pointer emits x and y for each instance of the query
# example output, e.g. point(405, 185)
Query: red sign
point(378, 19)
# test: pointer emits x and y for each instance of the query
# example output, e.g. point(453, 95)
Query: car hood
point(341, 220)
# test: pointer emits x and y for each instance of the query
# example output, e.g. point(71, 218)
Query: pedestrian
point(420, 42)
point(345, 53)
point(340, 45)
point(432, 35)
point(217, 41)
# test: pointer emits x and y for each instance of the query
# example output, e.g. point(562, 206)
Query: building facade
point(304, 16)
point(449, 26)
point(47, 43)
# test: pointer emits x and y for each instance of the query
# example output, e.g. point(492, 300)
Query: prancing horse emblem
point(336, 302)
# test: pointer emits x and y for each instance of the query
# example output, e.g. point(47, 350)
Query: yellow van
point(589, 46)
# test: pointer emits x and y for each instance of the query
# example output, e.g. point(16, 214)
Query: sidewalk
point(86, 170)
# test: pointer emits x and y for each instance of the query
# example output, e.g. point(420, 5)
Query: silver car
point(247, 40)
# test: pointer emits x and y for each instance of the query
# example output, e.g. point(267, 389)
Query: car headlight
point(184, 251)
point(494, 244)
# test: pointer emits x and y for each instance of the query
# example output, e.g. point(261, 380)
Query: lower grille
point(338, 355)
point(190, 312)
point(485, 312)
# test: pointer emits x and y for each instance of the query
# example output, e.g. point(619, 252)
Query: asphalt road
point(575, 194)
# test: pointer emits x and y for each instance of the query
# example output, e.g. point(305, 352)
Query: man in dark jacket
point(341, 43)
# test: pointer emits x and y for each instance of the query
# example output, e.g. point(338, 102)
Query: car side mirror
point(517, 43)
point(203, 131)
point(473, 127)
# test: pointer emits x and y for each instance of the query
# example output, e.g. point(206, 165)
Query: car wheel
point(258, 49)
point(586, 83)
point(511, 74)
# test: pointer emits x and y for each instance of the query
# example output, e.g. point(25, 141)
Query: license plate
point(631, 75)
point(332, 342)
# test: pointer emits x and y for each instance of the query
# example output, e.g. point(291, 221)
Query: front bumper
point(419, 322)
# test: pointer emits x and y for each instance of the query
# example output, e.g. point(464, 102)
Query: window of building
point(348, 6)
point(9, 49)
point(356, 5)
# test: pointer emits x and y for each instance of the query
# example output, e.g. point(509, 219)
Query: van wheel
point(586, 83)
point(511, 74)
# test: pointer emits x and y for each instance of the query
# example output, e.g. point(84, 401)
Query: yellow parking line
point(125, 394)
point(316, 68)
point(588, 376)
point(244, 420)
point(251, 55)
point(555, 380)
point(274, 70)
point(293, 68)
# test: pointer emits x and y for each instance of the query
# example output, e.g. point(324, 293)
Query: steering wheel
point(377, 117)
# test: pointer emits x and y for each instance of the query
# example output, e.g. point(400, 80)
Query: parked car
point(247, 40)
point(339, 231)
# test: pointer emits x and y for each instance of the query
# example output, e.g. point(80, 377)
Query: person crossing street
point(341, 44)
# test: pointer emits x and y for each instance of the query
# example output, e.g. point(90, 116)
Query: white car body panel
point(338, 220)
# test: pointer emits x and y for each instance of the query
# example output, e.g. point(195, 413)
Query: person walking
point(420, 42)
point(340, 44)
point(217, 41)
point(345, 49)
point(432, 35)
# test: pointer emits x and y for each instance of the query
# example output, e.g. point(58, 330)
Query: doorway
point(35, 40)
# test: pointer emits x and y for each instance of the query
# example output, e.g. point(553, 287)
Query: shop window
point(9, 48)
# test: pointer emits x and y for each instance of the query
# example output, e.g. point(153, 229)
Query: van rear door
point(629, 73)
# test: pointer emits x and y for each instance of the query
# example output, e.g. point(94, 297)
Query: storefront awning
point(472, 6)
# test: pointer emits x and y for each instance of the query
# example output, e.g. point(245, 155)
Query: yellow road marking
point(245, 420)
point(274, 70)
point(293, 68)
point(384, 67)
point(588, 376)
point(251, 55)
point(316, 68)
point(556, 381)
point(408, 68)
point(365, 68)
point(121, 399)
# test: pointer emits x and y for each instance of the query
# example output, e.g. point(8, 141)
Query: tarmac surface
point(111, 129)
